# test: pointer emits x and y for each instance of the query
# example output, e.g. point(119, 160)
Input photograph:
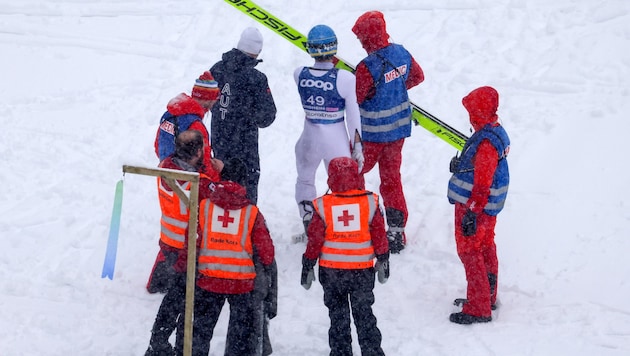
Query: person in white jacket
point(332, 125)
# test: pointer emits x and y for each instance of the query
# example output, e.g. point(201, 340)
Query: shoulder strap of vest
point(489, 129)
point(384, 63)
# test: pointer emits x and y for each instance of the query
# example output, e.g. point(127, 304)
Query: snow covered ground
point(83, 84)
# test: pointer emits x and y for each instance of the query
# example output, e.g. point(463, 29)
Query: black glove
point(382, 268)
point(469, 223)
point(454, 164)
point(308, 274)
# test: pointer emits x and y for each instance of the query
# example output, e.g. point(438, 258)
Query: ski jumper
point(331, 120)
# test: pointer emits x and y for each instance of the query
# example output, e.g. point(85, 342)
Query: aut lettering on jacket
point(224, 101)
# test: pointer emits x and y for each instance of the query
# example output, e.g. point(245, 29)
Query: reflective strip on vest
point(374, 127)
point(175, 215)
point(496, 200)
point(460, 185)
point(226, 251)
point(347, 240)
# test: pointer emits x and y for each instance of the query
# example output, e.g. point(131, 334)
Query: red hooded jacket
point(343, 176)
point(371, 30)
point(230, 196)
point(482, 104)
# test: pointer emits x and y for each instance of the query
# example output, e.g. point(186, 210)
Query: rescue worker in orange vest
point(188, 156)
point(233, 235)
point(345, 234)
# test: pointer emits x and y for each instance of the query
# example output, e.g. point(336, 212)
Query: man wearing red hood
point(478, 188)
point(383, 78)
point(233, 236)
point(346, 233)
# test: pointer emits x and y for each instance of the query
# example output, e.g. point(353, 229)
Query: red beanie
point(206, 88)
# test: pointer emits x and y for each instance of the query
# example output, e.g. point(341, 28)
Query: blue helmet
point(321, 42)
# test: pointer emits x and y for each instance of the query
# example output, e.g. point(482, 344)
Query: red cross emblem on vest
point(345, 218)
point(225, 219)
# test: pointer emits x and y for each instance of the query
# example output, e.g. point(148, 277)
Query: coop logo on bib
point(319, 84)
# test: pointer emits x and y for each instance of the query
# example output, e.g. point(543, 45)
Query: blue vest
point(320, 99)
point(170, 126)
point(386, 115)
point(461, 183)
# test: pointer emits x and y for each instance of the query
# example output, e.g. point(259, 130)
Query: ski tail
point(419, 116)
point(114, 228)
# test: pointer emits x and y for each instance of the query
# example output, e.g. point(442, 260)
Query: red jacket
point(370, 29)
point(183, 104)
point(230, 195)
point(482, 104)
point(343, 176)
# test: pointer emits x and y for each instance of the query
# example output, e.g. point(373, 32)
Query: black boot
point(159, 345)
point(492, 279)
point(396, 232)
point(463, 318)
point(160, 350)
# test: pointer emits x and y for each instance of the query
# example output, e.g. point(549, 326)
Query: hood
point(343, 175)
point(229, 195)
point(482, 104)
point(235, 60)
point(370, 30)
point(184, 104)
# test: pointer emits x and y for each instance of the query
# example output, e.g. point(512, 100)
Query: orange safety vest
point(175, 215)
point(347, 239)
point(226, 246)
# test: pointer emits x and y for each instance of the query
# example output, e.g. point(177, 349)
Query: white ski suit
point(330, 106)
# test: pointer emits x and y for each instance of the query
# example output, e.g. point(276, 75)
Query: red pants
point(478, 253)
point(388, 155)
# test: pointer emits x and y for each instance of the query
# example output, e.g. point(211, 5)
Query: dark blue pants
point(346, 291)
point(241, 338)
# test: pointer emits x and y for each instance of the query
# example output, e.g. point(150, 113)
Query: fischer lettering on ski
point(267, 19)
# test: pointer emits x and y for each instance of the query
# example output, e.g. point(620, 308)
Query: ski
point(420, 116)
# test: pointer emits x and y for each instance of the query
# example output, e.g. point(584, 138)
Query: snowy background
point(84, 83)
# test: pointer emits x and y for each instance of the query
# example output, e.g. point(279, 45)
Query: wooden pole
point(170, 175)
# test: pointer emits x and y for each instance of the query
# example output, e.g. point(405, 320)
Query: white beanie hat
point(251, 41)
